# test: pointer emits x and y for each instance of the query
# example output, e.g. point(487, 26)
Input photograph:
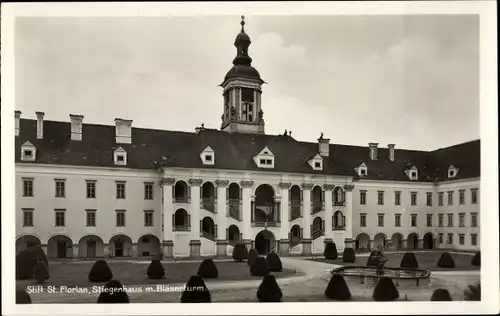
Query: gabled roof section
point(235, 151)
point(28, 144)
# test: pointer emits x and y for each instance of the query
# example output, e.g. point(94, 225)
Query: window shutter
point(189, 220)
point(301, 195)
point(227, 194)
point(215, 230)
point(201, 226)
point(343, 221)
point(343, 196)
point(301, 233)
point(201, 192)
point(215, 192)
point(173, 191)
point(189, 191)
point(323, 225)
point(241, 194)
point(173, 220)
point(227, 233)
point(322, 195)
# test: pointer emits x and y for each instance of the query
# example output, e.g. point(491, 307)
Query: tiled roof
point(235, 151)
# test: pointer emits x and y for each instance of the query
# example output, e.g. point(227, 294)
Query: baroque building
point(87, 190)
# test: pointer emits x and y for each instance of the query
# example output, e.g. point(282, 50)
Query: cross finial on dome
point(242, 23)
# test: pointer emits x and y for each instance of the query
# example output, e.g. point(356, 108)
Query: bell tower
point(242, 91)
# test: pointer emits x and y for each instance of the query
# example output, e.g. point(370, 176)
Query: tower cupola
point(242, 91)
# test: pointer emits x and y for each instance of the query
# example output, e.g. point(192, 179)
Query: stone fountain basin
point(366, 275)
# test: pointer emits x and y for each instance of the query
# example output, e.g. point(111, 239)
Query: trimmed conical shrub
point(337, 289)
point(385, 290)
point(372, 260)
point(25, 264)
point(113, 292)
point(240, 252)
point(441, 295)
point(446, 261)
point(274, 262)
point(156, 270)
point(207, 269)
point(22, 297)
point(476, 260)
point(330, 251)
point(473, 292)
point(196, 291)
point(269, 290)
point(259, 267)
point(252, 254)
point(100, 272)
point(409, 261)
point(41, 272)
point(349, 255)
point(40, 255)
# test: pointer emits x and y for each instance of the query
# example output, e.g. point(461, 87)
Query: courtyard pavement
point(312, 278)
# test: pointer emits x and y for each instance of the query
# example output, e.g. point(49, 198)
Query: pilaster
point(328, 210)
point(167, 207)
point(246, 209)
point(221, 207)
point(195, 208)
point(306, 204)
point(348, 216)
point(284, 229)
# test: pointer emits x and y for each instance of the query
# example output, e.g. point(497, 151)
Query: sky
point(408, 80)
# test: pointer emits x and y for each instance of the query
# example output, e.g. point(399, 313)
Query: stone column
point(420, 244)
point(167, 211)
point(284, 229)
point(404, 244)
point(221, 217)
point(75, 251)
point(348, 210)
point(306, 240)
point(371, 245)
point(328, 211)
point(195, 243)
point(105, 250)
point(247, 212)
point(134, 250)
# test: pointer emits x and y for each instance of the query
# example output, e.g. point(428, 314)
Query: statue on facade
point(261, 114)
point(233, 113)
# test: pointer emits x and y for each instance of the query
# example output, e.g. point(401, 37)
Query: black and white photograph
point(278, 152)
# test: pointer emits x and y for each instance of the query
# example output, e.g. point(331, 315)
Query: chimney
point(324, 146)
point(123, 132)
point(17, 116)
point(391, 151)
point(76, 126)
point(373, 151)
point(39, 124)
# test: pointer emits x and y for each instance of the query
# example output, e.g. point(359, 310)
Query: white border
point(489, 150)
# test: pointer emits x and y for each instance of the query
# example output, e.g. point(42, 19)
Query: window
point(429, 198)
point(461, 239)
point(148, 191)
point(380, 197)
point(413, 220)
point(269, 162)
point(60, 188)
point(28, 153)
point(120, 156)
point(451, 173)
point(397, 220)
point(473, 219)
point(362, 220)
point(208, 157)
point(473, 196)
point(28, 217)
point(91, 218)
point(120, 218)
point(148, 218)
point(440, 238)
point(461, 197)
point(440, 198)
point(317, 165)
point(28, 187)
point(91, 189)
point(450, 238)
point(120, 190)
point(397, 198)
point(450, 198)
point(380, 220)
point(60, 218)
point(473, 239)
point(362, 197)
point(461, 220)
point(413, 198)
point(440, 220)
point(450, 220)
point(247, 95)
point(429, 220)
point(362, 171)
point(413, 175)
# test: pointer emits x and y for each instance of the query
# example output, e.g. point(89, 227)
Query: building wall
point(75, 203)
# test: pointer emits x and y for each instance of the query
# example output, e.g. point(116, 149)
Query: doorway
point(91, 249)
point(61, 249)
point(118, 248)
point(265, 242)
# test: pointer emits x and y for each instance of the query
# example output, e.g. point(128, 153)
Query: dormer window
point(362, 170)
point(316, 162)
point(28, 152)
point(412, 173)
point(452, 171)
point(208, 156)
point(265, 159)
point(120, 156)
